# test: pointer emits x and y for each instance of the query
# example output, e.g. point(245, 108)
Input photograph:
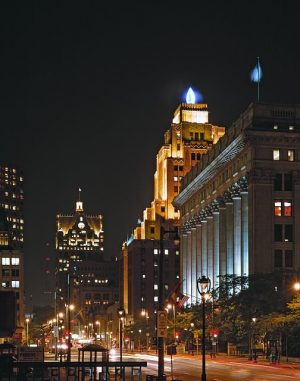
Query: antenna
point(79, 193)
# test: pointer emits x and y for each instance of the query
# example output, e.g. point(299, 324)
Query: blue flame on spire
point(190, 96)
point(256, 73)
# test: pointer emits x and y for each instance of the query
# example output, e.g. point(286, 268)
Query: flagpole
point(258, 67)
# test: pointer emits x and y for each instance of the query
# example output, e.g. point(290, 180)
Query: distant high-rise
point(83, 277)
point(12, 241)
point(12, 200)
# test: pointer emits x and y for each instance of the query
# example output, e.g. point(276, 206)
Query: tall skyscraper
point(189, 137)
point(83, 277)
point(240, 206)
point(12, 241)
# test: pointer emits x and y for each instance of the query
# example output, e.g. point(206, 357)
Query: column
point(184, 254)
point(245, 247)
point(204, 247)
point(189, 264)
point(229, 237)
point(210, 248)
point(237, 235)
point(222, 243)
point(199, 254)
point(194, 266)
point(216, 259)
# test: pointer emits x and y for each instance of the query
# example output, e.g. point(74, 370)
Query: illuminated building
point(81, 271)
point(240, 205)
point(189, 137)
point(11, 200)
point(12, 241)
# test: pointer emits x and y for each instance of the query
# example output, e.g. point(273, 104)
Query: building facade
point(240, 206)
point(83, 277)
point(12, 241)
point(189, 137)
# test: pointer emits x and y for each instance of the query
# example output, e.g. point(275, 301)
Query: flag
point(256, 73)
point(181, 299)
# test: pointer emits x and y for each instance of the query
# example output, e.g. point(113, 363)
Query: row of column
point(217, 244)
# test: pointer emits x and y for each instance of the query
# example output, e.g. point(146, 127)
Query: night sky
point(87, 91)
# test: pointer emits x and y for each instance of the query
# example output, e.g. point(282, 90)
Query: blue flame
point(192, 96)
point(256, 73)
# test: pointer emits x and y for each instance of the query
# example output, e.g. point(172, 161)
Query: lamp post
point(169, 307)
point(203, 286)
point(161, 348)
point(98, 330)
point(121, 314)
point(70, 308)
point(27, 323)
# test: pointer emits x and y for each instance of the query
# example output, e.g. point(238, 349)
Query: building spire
point(79, 204)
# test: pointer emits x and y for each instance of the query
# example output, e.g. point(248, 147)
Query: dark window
point(152, 229)
point(278, 258)
point(5, 272)
point(278, 182)
point(180, 167)
point(175, 167)
point(288, 233)
point(278, 232)
point(175, 189)
point(191, 135)
point(193, 156)
point(162, 209)
point(201, 135)
point(288, 183)
point(288, 258)
point(15, 272)
point(196, 136)
point(178, 147)
point(198, 156)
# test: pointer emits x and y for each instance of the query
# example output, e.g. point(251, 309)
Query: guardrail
point(72, 371)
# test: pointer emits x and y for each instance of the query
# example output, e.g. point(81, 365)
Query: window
point(178, 147)
point(156, 298)
point(201, 135)
point(155, 251)
point(277, 208)
point(166, 252)
point(15, 272)
point(155, 287)
point(276, 154)
point(278, 233)
point(176, 189)
point(193, 157)
point(291, 155)
point(162, 209)
point(175, 167)
point(191, 135)
point(177, 252)
point(152, 229)
point(196, 136)
point(180, 168)
point(288, 258)
point(175, 178)
point(15, 261)
point(288, 182)
point(5, 261)
point(15, 284)
point(198, 156)
point(278, 182)
point(5, 272)
point(288, 233)
point(287, 208)
point(278, 258)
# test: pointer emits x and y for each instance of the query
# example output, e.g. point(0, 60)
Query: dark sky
point(88, 89)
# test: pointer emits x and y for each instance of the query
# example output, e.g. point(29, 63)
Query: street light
point(161, 348)
point(169, 307)
point(297, 286)
point(203, 286)
point(98, 330)
point(27, 321)
point(121, 314)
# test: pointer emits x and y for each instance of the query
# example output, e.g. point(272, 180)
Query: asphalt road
point(188, 368)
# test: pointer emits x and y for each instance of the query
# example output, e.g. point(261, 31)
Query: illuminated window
point(287, 208)
point(291, 128)
point(166, 252)
point(15, 283)
point(275, 127)
point(155, 287)
point(291, 155)
point(144, 276)
point(5, 261)
point(276, 154)
point(277, 208)
point(175, 178)
point(15, 261)
point(155, 251)
point(156, 298)
point(177, 252)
